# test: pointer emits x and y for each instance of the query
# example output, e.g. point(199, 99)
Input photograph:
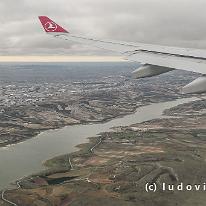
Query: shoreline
point(105, 120)
point(91, 140)
point(83, 148)
point(126, 150)
point(79, 146)
point(41, 131)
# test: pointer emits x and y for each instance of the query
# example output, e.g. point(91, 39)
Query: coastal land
point(114, 167)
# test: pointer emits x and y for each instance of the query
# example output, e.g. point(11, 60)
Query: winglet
point(50, 26)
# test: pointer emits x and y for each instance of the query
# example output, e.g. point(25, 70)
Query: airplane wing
point(155, 59)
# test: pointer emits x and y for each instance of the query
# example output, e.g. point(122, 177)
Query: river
point(26, 157)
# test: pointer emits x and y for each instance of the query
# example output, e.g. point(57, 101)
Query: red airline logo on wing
point(50, 26)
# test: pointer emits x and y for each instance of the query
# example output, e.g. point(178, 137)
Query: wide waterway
point(26, 158)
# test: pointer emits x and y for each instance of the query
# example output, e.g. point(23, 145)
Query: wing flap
point(171, 61)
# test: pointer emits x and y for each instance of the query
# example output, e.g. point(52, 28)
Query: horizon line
point(60, 58)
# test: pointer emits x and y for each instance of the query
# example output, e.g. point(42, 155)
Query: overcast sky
point(167, 22)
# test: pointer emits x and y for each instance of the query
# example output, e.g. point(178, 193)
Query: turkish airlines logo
point(50, 26)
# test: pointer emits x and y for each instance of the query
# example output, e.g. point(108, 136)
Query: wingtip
point(50, 26)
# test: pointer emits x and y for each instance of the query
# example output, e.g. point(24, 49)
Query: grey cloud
point(176, 23)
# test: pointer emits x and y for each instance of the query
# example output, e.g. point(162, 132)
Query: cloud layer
point(176, 23)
